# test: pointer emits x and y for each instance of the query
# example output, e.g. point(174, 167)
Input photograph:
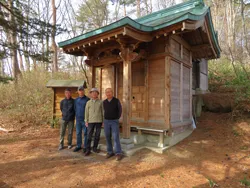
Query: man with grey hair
point(112, 113)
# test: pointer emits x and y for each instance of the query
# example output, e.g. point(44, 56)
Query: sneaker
point(109, 155)
point(76, 149)
point(84, 150)
point(60, 147)
point(95, 150)
point(87, 153)
point(69, 147)
point(119, 157)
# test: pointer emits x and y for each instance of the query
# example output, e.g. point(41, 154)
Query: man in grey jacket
point(93, 120)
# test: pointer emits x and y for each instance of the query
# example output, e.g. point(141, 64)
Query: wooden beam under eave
point(181, 41)
point(165, 31)
point(91, 40)
point(183, 26)
point(188, 25)
point(200, 47)
point(107, 61)
point(209, 38)
point(106, 47)
point(138, 35)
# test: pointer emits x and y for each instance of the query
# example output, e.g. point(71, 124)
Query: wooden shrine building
point(154, 64)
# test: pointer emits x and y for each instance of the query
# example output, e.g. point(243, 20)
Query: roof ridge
point(191, 3)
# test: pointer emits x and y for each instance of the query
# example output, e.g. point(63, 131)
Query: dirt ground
point(218, 150)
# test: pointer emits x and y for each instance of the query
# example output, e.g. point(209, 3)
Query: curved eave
point(136, 25)
point(191, 14)
point(121, 23)
point(214, 34)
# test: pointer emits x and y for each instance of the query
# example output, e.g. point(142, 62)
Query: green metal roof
point(190, 10)
point(66, 83)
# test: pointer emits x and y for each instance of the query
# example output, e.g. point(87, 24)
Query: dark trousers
point(64, 125)
point(91, 127)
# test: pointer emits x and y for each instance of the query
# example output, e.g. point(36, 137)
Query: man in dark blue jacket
point(80, 104)
point(68, 117)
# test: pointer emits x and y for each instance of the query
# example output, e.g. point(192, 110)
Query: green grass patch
point(245, 182)
point(212, 183)
point(244, 147)
point(236, 133)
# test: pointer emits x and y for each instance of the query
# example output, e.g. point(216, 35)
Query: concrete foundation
point(152, 142)
point(127, 144)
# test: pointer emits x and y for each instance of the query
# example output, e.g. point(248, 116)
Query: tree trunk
point(53, 35)
point(21, 60)
point(245, 33)
point(13, 43)
point(9, 67)
point(138, 8)
point(151, 7)
point(26, 43)
point(2, 68)
point(34, 64)
point(232, 61)
point(117, 8)
point(124, 8)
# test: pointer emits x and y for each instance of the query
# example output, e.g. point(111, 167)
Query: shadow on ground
point(218, 151)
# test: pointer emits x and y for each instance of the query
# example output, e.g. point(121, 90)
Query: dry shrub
point(29, 100)
point(223, 78)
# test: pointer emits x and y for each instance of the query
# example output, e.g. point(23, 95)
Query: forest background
point(30, 56)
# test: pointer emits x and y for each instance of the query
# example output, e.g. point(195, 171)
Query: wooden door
point(138, 90)
point(107, 79)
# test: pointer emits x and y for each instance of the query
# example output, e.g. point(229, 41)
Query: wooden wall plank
point(186, 55)
point(186, 93)
point(203, 74)
point(156, 90)
point(203, 66)
point(191, 88)
point(138, 98)
point(181, 91)
point(138, 73)
point(157, 46)
point(175, 91)
point(107, 80)
point(167, 91)
point(203, 82)
point(53, 104)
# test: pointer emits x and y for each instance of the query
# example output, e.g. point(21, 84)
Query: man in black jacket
point(68, 117)
point(112, 113)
